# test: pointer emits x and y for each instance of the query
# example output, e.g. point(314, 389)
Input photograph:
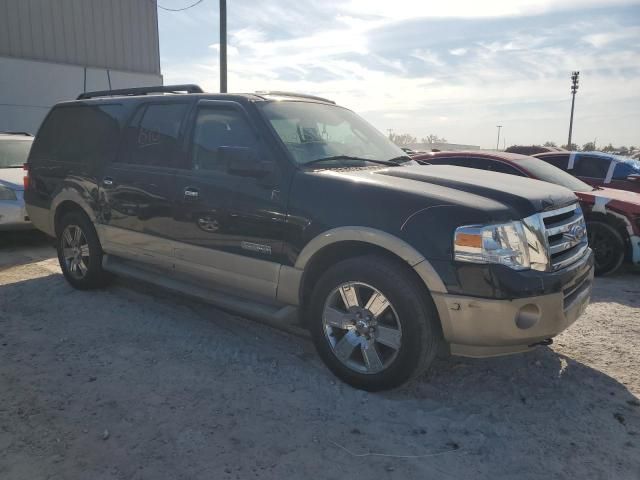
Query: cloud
point(457, 75)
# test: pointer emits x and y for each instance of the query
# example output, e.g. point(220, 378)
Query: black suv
point(282, 206)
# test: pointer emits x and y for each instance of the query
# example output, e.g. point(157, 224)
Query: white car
point(14, 150)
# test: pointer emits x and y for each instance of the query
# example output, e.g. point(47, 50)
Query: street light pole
point(498, 142)
point(223, 46)
point(574, 88)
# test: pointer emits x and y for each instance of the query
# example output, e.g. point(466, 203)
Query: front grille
point(566, 235)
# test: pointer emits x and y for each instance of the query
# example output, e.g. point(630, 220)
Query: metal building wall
point(111, 34)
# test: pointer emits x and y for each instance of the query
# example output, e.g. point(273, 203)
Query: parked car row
point(612, 216)
point(14, 149)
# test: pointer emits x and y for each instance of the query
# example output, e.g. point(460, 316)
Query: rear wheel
point(80, 253)
point(372, 324)
point(607, 245)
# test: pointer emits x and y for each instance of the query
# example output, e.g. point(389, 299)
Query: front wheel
point(607, 245)
point(372, 324)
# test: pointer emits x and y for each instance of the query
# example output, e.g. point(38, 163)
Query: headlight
point(505, 244)
point(7, 194)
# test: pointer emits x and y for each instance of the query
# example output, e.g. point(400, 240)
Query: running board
point(282, 317)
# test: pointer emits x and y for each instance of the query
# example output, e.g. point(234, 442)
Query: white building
point(53, 50)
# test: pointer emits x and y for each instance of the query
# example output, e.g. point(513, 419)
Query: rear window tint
point(79, 133)
point(152, 136)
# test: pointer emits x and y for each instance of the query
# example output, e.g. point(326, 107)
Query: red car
point(597, 168)
point(613, 216)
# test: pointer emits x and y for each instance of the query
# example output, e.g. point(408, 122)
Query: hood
point(12, 178)
point(478, 189)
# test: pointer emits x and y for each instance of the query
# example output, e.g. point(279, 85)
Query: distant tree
point(526, 149)
point(549, 144)
point(589, 147)
point(402, 139)
point(431, 138)
point(609, 148)
point(573, 147)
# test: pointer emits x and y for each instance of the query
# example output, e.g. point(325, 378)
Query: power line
point(180, 9)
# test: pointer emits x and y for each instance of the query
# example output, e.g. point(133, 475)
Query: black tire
point(94, 276)
point(608, 247)
point(412, 309)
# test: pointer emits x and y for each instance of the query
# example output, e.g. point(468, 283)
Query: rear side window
point(152, 136)
point(591, 166)
point(496, 166)
point(217, 127)
point(79, 134)
point(560, 161)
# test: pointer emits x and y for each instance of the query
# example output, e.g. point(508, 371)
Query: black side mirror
point(243, 162)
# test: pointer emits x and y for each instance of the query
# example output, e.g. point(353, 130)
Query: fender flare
point(68, 194)
point(381, 239)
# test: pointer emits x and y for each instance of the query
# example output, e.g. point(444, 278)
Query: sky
point(456, 69)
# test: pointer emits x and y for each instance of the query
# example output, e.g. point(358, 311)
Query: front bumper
point(13, 214)
point(484, 327)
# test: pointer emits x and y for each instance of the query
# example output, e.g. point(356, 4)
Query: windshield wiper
point(350, 158)
point(401, 159)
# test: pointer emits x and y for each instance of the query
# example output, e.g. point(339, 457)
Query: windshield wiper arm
point(400, 159)
point(350, 158)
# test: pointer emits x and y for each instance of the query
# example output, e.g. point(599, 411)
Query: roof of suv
point(194, 90)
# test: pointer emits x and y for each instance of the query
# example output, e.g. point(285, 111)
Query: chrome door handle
point(108, 181)
point(190, 192)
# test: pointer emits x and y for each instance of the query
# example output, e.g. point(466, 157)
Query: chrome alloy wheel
point(362, 327)
point(75, 251)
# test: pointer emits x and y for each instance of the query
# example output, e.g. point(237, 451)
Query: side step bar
point(282, 317)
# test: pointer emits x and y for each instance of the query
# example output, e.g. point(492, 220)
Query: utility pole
point(574, 88)
point(223, 46)
point(498, 142)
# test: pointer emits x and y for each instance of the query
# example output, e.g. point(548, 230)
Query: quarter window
point(591, 166)
point(624, 169)
point(219, 127)
point(152, 136)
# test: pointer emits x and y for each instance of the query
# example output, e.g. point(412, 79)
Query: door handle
point(191, 193)
point(107, 181)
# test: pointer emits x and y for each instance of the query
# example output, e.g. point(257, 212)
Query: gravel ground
point(132, 383)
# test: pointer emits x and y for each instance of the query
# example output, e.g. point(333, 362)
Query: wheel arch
point(66, 201)
point(346, 242)
point(618, 222)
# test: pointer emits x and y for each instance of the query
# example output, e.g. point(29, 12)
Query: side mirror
point(243, 162)
point(634, 178)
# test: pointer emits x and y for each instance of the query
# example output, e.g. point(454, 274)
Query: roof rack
point(294, 95)
point(26, 134)
point(189, 88)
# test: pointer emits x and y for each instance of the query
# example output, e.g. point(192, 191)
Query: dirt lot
point(132, 383)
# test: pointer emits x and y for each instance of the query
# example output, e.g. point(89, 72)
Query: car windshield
point(14, 153)
point(313, 132)
point(548, 173)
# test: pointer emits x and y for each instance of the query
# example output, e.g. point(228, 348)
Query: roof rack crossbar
point(294, 95)
point(188, 88)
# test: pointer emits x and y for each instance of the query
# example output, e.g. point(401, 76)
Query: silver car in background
point(14, 150)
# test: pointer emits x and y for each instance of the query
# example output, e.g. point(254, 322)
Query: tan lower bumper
point(479, 327)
